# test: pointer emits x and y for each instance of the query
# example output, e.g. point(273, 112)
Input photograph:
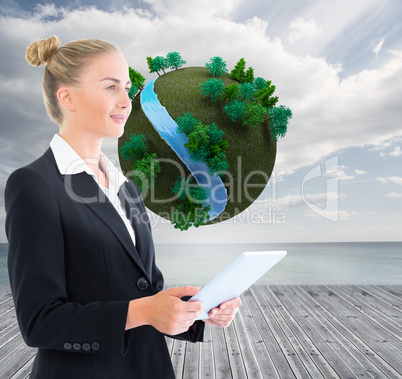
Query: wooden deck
point(280, 332)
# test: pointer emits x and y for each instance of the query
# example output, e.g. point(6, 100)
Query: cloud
point(340, 173)
point(396, 179)
point(202, 9)
point(303, 29)
point(392, 179)
point(293, 201)
point(360, 172)
point(394, 195)
point(377, 48)
point(341, 215)
point(329, 114)
point(393, 143)
point(397, 152)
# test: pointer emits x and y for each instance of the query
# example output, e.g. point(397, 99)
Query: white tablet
point(236, 278)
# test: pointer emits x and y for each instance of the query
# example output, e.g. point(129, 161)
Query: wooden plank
point(169, 344)
point(394, 290)
point(318, 348)
point(221, 356)
point(368, 325)
point(357, 329)
point(250, 363)
point(357, 361)
point(233, 349)
point(12, 362)
point(11, 345)
point(178, 354)
point(5, 293)
point(6, 306)
point(24, 371)
point(207, 369)
point(191, 361)
point(381, 293)
point(261, 338)
point(298, 359)
point(9, 336)
point(372, 307)
point(333, 307)
point(8, 322)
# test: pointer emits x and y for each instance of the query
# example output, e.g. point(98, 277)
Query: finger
point(227, 314)
point(183, 291)
point(193, 306)
point(233, 303)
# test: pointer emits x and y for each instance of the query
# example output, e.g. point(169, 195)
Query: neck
point(88, 147)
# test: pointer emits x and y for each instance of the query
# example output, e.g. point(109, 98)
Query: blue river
point(167, 129)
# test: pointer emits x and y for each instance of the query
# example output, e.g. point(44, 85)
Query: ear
point(66, 98)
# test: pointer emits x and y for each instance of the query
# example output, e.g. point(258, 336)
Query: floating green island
point(250, 151)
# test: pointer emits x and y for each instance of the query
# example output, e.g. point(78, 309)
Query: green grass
point(250, 149)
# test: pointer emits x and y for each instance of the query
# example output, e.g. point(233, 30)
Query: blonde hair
point(63, 65)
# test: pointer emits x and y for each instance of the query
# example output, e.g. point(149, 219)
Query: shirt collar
point(70, 163)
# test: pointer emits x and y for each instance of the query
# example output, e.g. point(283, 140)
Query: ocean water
point(306, 263)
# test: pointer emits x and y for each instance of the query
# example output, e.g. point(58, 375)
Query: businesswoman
point(81, 259)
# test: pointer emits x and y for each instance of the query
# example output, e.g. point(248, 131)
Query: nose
point(124, 101)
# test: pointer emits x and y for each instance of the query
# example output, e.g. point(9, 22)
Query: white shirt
point(70, 163)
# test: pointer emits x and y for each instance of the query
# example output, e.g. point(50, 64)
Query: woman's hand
point(224, 314)
point(165, 311)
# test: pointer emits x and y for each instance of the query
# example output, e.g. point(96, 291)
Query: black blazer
point(73, 270)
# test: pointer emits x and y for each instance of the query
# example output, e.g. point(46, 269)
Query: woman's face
point(102, 105)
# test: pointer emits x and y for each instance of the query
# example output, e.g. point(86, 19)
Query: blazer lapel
point(131, 201)
point(86, 188)
point(82, 188)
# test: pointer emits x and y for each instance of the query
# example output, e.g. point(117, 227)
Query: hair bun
point(40, 52)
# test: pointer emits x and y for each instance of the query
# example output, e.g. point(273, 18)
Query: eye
point(112, 87)
point(127, 90)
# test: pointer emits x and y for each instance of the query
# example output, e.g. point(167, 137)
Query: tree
point(215, 135)
point(146, 171)
point(246, 92)
point(136, 78)
point(259, 83)
point(278, 120)
point(186, 123)
point(216, 66)
point(188, 214)
point(132, 94)
point(218, 163)
point(174, 60)
point(192, 211)
point(265, 95)
point(249, 78)
point(230, 92)
point(254, 113)
point(189, 189)
point(204, 141)
point(234, 110)
point(200, 140)
point(239, 72)
point(212, 88)
point(135, 148)
point(137, 83)
point(159, 63)
point(150, 65)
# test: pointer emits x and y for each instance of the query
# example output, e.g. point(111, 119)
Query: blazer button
point(77, 346)
point(142, 284)
point(86, 347)
point(68, 346)
point(95, 346)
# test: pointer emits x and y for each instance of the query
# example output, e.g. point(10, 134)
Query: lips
point(118, 116)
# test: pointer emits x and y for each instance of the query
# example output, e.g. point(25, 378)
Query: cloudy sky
point(337, 65)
